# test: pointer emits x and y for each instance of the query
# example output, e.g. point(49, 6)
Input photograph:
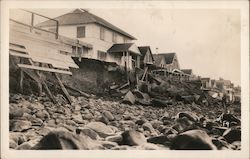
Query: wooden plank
point(74, 89)
point(13, 53)
point(17, 49)
point(44, 69)
point(63, 88)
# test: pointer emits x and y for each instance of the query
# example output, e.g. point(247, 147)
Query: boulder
point(190, 115)
point(65, 140)
point(232, 134)
point(162, 139)
point(108, 115)
point(17, 137)
point(148, 127)
point(12, 144)
point(132, 138)
point(88, 132)
point(115, 138)
point(101, 129)
point(77, 118)
point(19, 125)
point(192, 140)
point(129, 98)
point(149, 146)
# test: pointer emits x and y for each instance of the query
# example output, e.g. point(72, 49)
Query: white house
point(89, 28)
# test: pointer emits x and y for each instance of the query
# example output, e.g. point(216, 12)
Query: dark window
point(81, 32)
point(114, 37)
point(101, 55)
point(102, 33)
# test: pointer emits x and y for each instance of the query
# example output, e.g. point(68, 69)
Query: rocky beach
point(97, 123)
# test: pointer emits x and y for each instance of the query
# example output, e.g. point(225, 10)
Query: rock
point(12, 144)
point(36, 121)
point(232, 134)
point(127, 124)
point(87, 116)
point(88, 132)
point(191, 116)
point(108, 144)
point(65, 140)
point(24, 146)
point(44, 131)
point(141, 121)
point(129, 98)
point(162, 139)
point(229, 118)
point(132, 138)
point(149, 146)
point(19, 125)
point(159, 103)
point(103, 119)
point(147, 126)
point(42, 114)
point(102, 129)
point(192, 140)
point(71, 123)
point(116, 138)
point(123, 147)
point(108, 115)
point(77, 118)
point(16, 113)
point(36, 106)
point(156, 123)
point(17, 137)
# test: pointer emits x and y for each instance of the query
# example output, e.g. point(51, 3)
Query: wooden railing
point(32, 26)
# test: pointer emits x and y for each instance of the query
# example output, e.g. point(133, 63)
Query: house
point(167, 61)
point(206, 83)
point(87, 27)
point(189, 73)
point(146, 56)
point(126, 54)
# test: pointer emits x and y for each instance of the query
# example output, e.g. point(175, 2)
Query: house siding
point(92, 36)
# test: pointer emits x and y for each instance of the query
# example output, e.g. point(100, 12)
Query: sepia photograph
point(112, 76)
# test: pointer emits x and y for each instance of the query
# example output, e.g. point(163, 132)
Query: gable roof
point(187, 71)
point(124, 47)
point(144, 49)
point(79, 16)
point(168, 57)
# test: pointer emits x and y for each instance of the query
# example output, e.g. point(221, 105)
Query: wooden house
point(89, 28)
point(147, 58)
point(206, 83)
point(126, 54)
point(168, 61)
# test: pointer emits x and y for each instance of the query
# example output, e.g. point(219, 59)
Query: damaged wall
point(92, 76)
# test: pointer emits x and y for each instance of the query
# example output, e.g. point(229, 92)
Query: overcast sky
point(205, 40)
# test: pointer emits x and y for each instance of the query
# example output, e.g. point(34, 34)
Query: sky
point(205, 40)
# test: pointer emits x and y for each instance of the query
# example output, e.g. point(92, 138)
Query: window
point(114, 37)
point(101, 55)
point(124, 40)
point(80, 32)
point(102, 33)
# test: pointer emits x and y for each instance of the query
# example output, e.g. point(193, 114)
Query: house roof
point(205, 79)
point(124, 47)
point(79, 16)
point(167, 56)
point(144, 49)
point(187, 71)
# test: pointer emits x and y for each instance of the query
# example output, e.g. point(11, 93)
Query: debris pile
point(92, 123)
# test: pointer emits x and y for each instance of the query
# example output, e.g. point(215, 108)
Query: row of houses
point(111, 44)
point(221, 87)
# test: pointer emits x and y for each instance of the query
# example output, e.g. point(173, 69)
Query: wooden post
point(63, 88)
point(21, 80)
